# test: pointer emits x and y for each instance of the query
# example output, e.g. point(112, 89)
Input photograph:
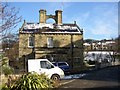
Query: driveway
point(103, 78)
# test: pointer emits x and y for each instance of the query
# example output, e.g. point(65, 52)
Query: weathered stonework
point(66, 46)
point(57, 17)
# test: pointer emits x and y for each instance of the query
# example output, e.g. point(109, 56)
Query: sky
point(99, 20)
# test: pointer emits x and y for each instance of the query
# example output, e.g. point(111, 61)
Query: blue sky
point(99, 20)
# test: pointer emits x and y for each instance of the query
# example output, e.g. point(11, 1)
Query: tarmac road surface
point(108, 78)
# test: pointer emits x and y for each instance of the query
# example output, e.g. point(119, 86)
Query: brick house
point(56, 42)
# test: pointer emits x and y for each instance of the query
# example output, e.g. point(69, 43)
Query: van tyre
point(56, 80)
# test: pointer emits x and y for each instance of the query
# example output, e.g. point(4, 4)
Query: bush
point(5, 88)
point(32, 81)
point(7, 70)
point(4, 66)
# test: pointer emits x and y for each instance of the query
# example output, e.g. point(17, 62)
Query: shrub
point(4, 66)
point(7, 70)
point(32, 81)
point(5, 88)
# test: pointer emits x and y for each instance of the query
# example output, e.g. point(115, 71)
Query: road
point(104, 78)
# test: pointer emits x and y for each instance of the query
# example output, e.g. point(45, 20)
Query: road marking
point(67, 82)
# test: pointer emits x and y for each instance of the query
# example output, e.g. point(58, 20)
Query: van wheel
point(56, 80)
point(55, 77)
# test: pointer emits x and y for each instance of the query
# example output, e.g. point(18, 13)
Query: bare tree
point(8, 18)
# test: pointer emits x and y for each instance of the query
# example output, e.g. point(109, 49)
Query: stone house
point(54, 41)
point(104, 45)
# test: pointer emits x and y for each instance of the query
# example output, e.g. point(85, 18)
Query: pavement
point(108, 78)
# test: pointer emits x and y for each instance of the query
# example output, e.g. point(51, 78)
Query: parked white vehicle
point(45, 66)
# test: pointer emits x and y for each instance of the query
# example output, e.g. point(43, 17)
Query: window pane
point(62, 64)
point(43, 64)
point(46, 65)
point(50, 42)
point(31, 41)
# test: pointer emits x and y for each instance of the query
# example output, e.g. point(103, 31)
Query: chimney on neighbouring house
point(75, 22)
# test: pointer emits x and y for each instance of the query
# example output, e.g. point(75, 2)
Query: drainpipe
point(72, 50)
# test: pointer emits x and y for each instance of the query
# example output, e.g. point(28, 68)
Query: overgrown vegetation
point(10, 47)
point(7, 70)
point(30, 81)
point(4, 67)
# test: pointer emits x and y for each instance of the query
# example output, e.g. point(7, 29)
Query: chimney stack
point(42, 16)
point(75, 22)
point(58, 14)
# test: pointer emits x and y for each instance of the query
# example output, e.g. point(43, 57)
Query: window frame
point(50, 42)
point(31, 42)
point(45, 65)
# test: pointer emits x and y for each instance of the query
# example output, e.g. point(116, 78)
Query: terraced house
point(55, 41)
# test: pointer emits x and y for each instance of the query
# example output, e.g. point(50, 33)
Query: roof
point(50, 28)
point(86, 44)
point(100, 52)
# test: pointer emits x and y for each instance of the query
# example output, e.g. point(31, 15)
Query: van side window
point(46, 65)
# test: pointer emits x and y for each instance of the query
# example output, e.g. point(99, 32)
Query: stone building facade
point(101, 45)
point(56, 41)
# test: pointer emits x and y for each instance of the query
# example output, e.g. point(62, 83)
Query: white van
point(45, 66)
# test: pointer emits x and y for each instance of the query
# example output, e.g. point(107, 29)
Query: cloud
point(80, 18)
point(106, 23)
point(102, 28)
point(53, 6)
point(100, 20)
